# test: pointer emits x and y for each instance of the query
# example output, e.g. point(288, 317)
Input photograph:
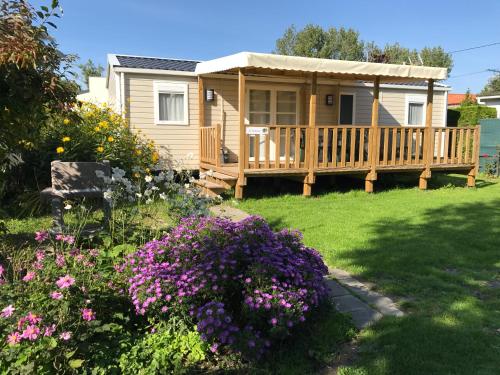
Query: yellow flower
point(110, 138)
point(66, 121)
point(155, 157)
point(100, 149)
point(137, 175)
point(138, 152)
point(103, 124)
point(148, 170)
point(60, 150)
point(97, 129)
point(66, 139)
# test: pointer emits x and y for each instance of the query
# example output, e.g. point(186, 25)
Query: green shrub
point(469, 115)
point(171, 347)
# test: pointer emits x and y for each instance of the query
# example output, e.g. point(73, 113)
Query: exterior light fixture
point(209, 95)
point(329, 99)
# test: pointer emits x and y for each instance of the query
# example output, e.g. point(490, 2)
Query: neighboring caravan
point(251, 115)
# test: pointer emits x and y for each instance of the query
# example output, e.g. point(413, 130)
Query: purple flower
point(88, 315)
point(65, 336)
point(49, 330)
point(31, 332)
point(56, 295)
point(13, 338)
point(29, 276)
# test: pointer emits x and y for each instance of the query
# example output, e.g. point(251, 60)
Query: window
point(171, 103)
point(415, 113)
point(260, 107)
point(415, 110)
point(286, 108)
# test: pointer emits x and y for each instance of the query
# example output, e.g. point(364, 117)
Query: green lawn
point(437, 252)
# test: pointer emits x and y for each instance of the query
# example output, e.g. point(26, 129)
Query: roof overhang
point(262, 63)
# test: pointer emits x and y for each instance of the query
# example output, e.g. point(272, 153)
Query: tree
point(493, 86)
point(34, 75)
point(314, 41)
point(89, 69)
point(346, 44)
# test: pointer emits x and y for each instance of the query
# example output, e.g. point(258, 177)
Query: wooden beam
point(201, 119)
point(311, 149)
point(373, 138)
point(241, 157)
point(429, 142)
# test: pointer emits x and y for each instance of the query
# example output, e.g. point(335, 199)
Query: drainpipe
point(122, 94)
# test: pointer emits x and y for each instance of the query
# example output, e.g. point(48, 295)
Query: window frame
point(274, 102)
point(415, 99)
point(170, 87)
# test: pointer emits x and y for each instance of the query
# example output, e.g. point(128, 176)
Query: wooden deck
point(356, 149)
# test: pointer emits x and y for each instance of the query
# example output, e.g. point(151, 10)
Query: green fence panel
point(490, 140)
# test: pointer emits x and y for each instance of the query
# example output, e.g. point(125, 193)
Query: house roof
point(262, 62)
point(493, 95)
point(457, 99)
point(142, 62)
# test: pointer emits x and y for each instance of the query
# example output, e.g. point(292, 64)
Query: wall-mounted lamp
point(329, 99)
point(209, 95)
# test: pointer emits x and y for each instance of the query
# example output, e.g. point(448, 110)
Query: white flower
point(187, 186)
point(210, 173)
point(148, 178)
point(154, 188)
point(138, 195)
point(149, 201)
point(163, 196)
point(68, 207)
point(190, 156)
point(108, 194)
point(147, 193)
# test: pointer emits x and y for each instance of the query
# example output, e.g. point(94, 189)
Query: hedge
point(469, 115)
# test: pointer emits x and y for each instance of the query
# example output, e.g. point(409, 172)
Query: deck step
point(222, 179)
point(210, 188)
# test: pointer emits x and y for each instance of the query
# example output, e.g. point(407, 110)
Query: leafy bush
point(171, 347)
point(95, 133)
point(241, 283)
point(469, 115)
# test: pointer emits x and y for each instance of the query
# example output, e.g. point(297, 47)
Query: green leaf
point(55, 4)
point(76, 363)
point(44, 8)
point(68, 355)
point(52, 24)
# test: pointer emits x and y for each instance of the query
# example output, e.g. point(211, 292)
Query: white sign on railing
point(257, 130)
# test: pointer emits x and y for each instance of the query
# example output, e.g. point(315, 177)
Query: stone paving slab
point(349, 303)
point(364, 318)
point(229, 212)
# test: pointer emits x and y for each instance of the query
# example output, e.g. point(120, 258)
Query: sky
point(201, 30)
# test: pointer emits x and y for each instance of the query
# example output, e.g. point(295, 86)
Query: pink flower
point(59, 237)
point(65, 282)
point(33, 318)
point(29, 276)
point(2, 270)
point(60, 261)
point(7, 311)
point(31, 332)
point(49, 330)
point(65, 336)
point(88, 315)
point(40, 255)
point(13, 338)
point(69, 239)
point(41, 236)
point(56, 295)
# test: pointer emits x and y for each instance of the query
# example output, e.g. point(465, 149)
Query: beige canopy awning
point(263, 63)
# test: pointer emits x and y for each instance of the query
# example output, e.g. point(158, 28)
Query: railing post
point(238, 194)
point(471, 177)
point(218, 149)
point(373, 139)
point(311, 141)
point(429, 143)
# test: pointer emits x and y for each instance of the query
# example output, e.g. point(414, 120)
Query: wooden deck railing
point(285, 147)
point(210, 140)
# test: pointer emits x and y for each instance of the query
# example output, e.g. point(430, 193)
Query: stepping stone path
point(349, 295)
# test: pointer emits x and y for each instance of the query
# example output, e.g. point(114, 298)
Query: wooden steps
point(215, 183)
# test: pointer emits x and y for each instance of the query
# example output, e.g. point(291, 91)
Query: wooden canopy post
point(429, 141)
point(311, 141)
point(373, 139)
point(201, 119)
point(238, 193)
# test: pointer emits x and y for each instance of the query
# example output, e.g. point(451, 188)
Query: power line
point(476, 47)
point(469, 74)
